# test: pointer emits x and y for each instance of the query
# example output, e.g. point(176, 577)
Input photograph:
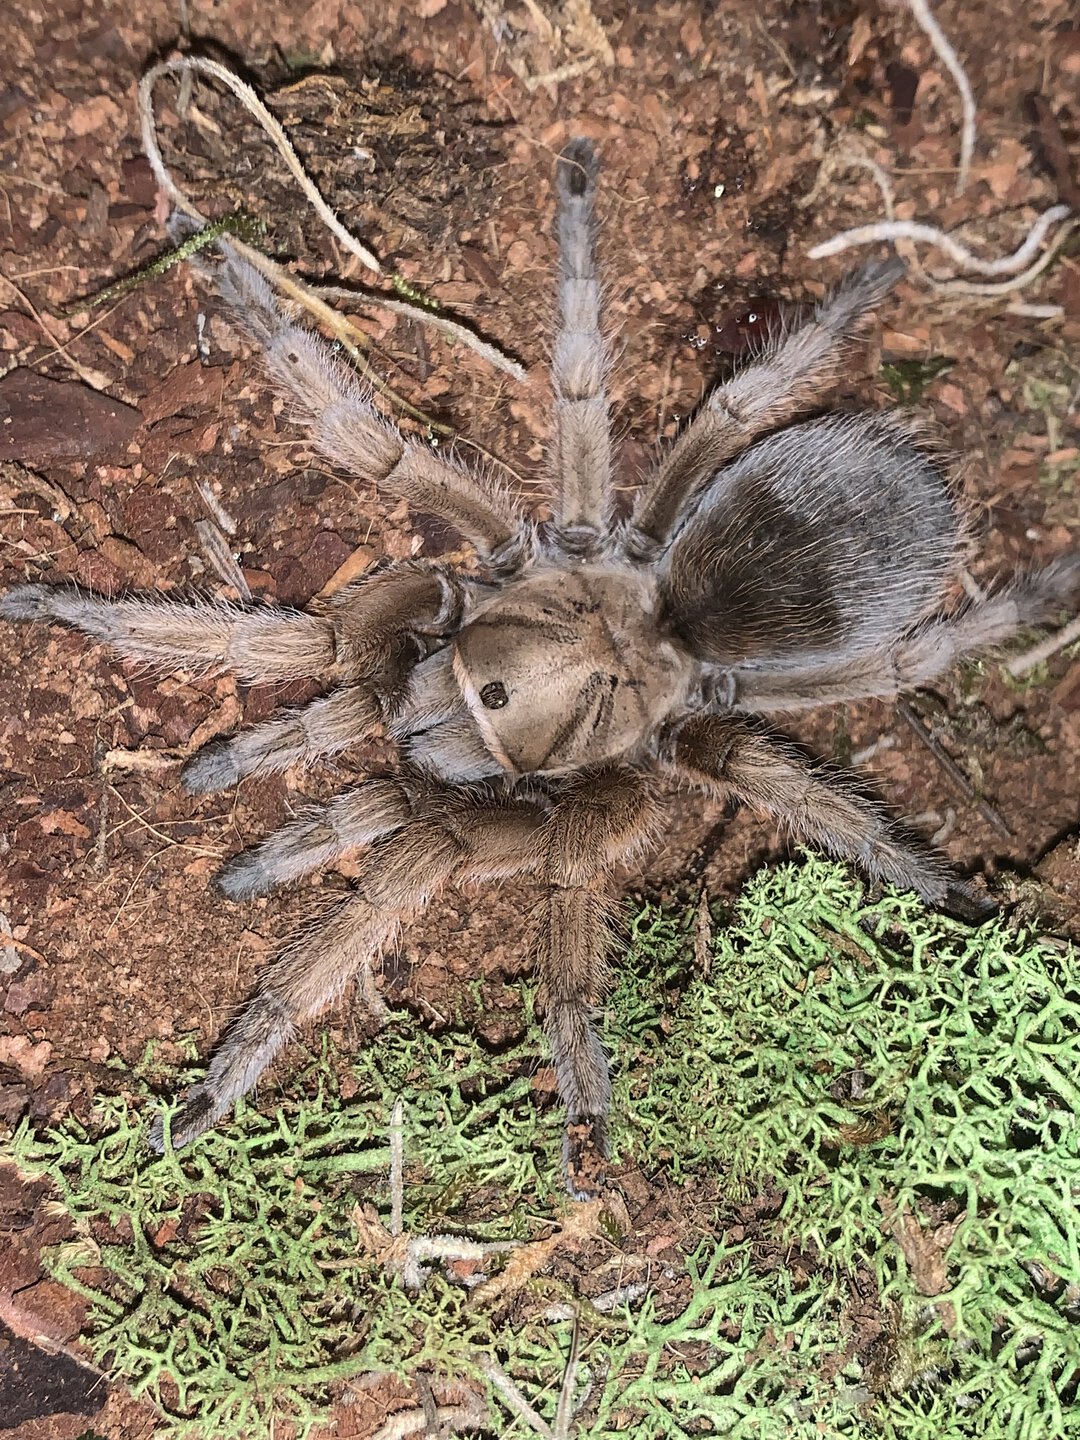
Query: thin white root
point(890, 230)
point(453, 329)
point(920, 11)
point(1018, 282)
point(311, 299)
point(851, 158)
point(397, 1166)
point(1034, 311)
point(907, 233)
point(1022, 665)
point(185, 65)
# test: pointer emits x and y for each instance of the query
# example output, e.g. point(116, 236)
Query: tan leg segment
point(923, 655)
point(330, 402)
point(601, 819)
point(767, 394)
point(261, 644)
point(454, 835)
point(726, 757)
point(580, 362)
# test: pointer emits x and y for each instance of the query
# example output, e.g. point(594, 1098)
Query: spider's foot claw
point(25, 602)
point(199, 1112)
point(242, 878)
point(213, 768)
point(585, 1153)
point(964, 902)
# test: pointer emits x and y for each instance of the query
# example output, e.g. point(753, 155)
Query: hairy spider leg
point(336, 410)
point(727, 757)
point(600, 819)
point(454, 835)
point(919, 657)
point(582, 450)
point(320, 836)
point(262, 644)
point(787, 380)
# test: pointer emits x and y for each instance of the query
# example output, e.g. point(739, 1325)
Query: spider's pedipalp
point(355, 818)
point(583, 459)
point(783, 383)
point(337, 413)
point(324, 727)
point(726, 757)
point(261, 643)
point(377, 628)
point(453, 834)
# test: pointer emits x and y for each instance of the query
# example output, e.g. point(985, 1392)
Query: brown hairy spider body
point(767, 566)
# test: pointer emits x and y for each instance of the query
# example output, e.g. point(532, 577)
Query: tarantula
point(767, 566)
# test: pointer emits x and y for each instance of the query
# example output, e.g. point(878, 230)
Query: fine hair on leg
point(727, 757)
point(580, 363)
point(602, 818)
point(919, 657)
point(261, 643)
point(783, 383)
point(334, 408)
point(471, 837)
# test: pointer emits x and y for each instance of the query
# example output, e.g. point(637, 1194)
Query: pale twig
point(445, 1247)
point(513, 1397)
point(453, 329)
point(1022, 665)
point(213, 852)
point(890, 230)
point(397, 1166)
point(989, 288)
point(850, 157)
point(450, 1418)
point(1033, 311)
point(186, 64)
point(920, 10)
point(564, 1411)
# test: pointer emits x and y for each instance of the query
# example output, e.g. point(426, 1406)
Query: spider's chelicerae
point(542, 704)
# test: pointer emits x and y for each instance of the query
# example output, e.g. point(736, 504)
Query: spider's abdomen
point(838, 534)
point(566, 668)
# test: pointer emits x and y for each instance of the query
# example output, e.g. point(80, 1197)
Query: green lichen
point(908, 379)
point(879, 1104)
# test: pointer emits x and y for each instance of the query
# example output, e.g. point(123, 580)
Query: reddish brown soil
point(712, 120)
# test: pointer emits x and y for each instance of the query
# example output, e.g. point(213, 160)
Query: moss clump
point(899, 1087)
point(909, 1087)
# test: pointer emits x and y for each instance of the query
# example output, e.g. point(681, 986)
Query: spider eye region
point(566, 668)
point(493, 696)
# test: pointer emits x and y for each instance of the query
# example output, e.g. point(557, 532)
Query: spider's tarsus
point(243, 877)
point(26, 602)
point(577, 169)
point(585, 1150)
point(197, 1114)
point(962, 901)
point(862, 291)
point(213, 768)
point(1056, 586)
